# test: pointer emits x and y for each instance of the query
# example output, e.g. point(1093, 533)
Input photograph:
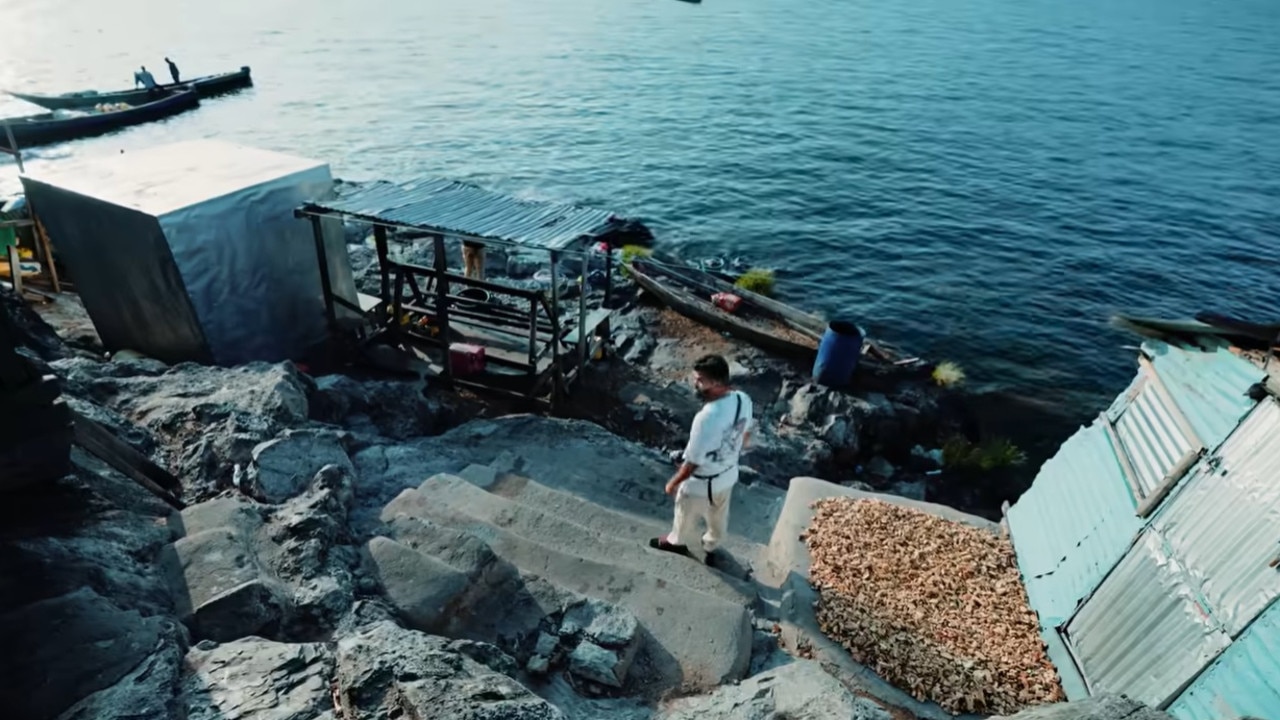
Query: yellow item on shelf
point(29, 269)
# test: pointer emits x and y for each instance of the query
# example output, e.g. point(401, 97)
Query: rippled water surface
point(979, 180)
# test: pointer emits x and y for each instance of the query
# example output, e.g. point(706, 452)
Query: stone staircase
point(491, 555)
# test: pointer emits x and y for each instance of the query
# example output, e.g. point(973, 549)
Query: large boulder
point(150, 690)
point(207, 418)
point(65, 648)
point(283, 467)
point(256, 679)
point(280, 572)
point(422, 589)
point(397, 409)
point(84, 611)
point(384, 671)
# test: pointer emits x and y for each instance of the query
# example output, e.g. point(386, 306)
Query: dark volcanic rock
point(33, 332)
point(281, 572)
point(207, 418)
point(396, 409)
point(385, 670)
point(256, 679)
point(84, 611)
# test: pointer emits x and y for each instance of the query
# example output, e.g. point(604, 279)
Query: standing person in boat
point(173, 71)
point(709, 464)
point(144, 78)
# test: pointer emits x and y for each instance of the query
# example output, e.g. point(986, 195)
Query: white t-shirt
point(715, 443)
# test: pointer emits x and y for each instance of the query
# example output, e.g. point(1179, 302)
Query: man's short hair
point(714, 368)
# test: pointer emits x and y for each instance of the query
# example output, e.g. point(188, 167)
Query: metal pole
point(13, 146)
point(583, 341)
point(330, 312)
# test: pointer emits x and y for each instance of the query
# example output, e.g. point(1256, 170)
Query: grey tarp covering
point(192, 251)
point(458, 208)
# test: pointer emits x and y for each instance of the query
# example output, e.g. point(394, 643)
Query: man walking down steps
point(709, 465)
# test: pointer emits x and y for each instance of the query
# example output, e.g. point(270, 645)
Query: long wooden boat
point(759, 320)
point(49, 128)
point(207, 86)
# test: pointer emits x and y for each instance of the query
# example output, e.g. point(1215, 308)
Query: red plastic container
point(466, 359)
point(726, 301)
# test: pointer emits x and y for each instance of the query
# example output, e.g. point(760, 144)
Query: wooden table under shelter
point(536, 343)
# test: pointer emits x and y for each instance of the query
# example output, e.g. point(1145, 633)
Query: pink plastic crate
point(466, 359)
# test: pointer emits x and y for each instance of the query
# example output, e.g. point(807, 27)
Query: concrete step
point(584, 511)
point(755, 508)
point(696, 639)
point(564, 532)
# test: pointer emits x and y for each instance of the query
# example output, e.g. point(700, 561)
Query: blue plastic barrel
point(838, 354)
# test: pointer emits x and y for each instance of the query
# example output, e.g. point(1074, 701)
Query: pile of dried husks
point(933, 606)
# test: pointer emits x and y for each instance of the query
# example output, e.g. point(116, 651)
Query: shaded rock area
point(326, 568)
point(84, 612)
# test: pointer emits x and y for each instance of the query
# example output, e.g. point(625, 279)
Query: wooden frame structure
point(536, 344)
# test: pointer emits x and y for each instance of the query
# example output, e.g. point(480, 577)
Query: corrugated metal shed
point(1244, 680)
point(1208, 385)
point(457, 208)
point(1224, 525)
point(1074, 523)
point(1144, 633)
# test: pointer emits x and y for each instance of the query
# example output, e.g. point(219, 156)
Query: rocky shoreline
point(302, 580)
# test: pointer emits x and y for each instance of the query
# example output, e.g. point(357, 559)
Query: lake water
point(978, 180)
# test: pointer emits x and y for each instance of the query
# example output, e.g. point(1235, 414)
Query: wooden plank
point(113, 451)
point(1122, 455)
point(1152, 501)
point(47, 247)
point(593, 321)
point(533, 340)
point(582, 310)
point(15, 269)
point(442, 303)
point(330, 312)
point(380, 242)
point(465, 281)
point(557, 386)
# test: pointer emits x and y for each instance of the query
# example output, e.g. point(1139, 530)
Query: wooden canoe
point(761, 321)
point(206, 86)
point(48, 128)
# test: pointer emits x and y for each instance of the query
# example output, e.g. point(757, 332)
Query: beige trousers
point(691, 508)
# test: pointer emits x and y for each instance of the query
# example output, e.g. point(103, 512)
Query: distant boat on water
point(206, 86)
point(63, 125)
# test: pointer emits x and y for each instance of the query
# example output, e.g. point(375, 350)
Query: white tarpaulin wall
point(192, 252)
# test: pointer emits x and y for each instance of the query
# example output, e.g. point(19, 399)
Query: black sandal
point(662, 544)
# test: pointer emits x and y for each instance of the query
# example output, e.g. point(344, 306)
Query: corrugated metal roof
point(1244, 680)
point(1209, 386)
point(458, 208)
point(1224, 525)
point(1152, 438)
point(1143, 634)
point(1074, 523)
